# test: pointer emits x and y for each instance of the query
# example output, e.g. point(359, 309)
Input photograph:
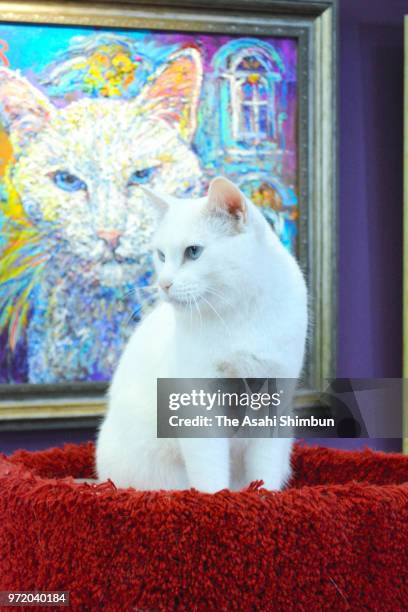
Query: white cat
point(234, 304)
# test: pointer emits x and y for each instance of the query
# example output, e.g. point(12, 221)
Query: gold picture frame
point(314, 25)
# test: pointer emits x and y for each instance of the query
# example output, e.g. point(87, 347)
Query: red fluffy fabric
point(335, 539)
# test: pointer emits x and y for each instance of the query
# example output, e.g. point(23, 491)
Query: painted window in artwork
point(249, 73)
point(251, 97)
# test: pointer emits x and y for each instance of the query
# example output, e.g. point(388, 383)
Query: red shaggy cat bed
point(336, 539)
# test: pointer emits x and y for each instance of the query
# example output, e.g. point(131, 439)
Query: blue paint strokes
point(246, 129)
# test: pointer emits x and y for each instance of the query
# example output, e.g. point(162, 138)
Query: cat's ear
point(173, 91)
point(224, 197)
point(157, 200)
point(23, 108)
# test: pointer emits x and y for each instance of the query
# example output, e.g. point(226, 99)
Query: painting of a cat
point(78, 172)
point(82, 132)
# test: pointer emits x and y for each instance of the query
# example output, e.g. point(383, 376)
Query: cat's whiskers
point(197, 305)
point(139, 307)
point(190, 307)
point(217, 313)
point(130, 292)
point(219, 295)
point(133, 315)
point(193, 305)
point(140, 289)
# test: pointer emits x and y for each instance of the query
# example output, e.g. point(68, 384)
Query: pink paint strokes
point(3, 49)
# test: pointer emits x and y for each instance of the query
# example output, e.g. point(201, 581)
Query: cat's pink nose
point(111, 237)
point(165, 284)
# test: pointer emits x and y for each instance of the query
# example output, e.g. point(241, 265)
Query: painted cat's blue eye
point(193, 252)
point(67, 181)
point(161, 255)
point(141, 177)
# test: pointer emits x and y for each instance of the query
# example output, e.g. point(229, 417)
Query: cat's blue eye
point(67, 181)
point(193, 252)
point(161, 255)
point(141, 177)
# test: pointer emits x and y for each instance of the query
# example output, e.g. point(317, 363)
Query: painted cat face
point(79, 170)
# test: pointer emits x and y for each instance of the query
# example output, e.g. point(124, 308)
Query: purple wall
point(370, 207)
point(370, 185)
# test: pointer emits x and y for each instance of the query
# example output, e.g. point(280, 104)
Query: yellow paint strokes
point(173, 92)
point(17, 261)
point(109, 70)
point(6, 151)
point(13, 208)
point(165, 158)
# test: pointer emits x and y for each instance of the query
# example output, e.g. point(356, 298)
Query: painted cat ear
point(174, 91)
point(224, 196)
point(23, 108)
point(159, 201)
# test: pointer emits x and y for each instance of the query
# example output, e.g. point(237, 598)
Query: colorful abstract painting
point(87, 117)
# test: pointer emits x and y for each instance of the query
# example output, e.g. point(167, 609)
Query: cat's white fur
point(239, 310)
